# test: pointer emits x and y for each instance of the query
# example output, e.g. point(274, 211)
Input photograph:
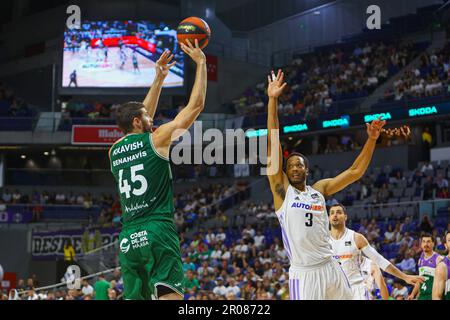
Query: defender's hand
point(276, 85)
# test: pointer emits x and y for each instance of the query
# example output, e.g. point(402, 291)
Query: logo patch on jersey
point(297, 198)
point(124, 245)
point(348, 243)
point(300, 205)
point(314, 196)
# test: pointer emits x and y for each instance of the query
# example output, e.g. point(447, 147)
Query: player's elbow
point(355, 174)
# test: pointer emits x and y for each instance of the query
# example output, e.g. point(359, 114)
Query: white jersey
point(349, 256)
point(305, 228)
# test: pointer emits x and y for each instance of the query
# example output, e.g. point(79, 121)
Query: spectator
point(399, 290)
point(389, 235)
point(426, 226)
point(101, 288)
point(220, 289)
point(408, 264)
point(191, 282)
point(87, 289)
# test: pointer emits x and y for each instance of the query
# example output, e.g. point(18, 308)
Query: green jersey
point(144, 179)
point(427, 269)
point(101, 290)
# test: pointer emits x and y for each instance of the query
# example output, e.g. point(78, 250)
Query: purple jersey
point(446, 260)
point(430, 262)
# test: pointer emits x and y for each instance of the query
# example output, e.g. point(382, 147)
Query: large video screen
point(119, 54)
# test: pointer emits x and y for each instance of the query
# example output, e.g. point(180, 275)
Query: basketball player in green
point(441, 284)
point(149, 245)
point(428, 261)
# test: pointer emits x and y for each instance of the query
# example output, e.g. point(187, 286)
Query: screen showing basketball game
point(119, 54)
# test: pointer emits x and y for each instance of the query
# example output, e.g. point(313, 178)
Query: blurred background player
point(150, 254)
point(73, 78)
point(441, 283)
point(135, 62)
point(374, 280)
point(350, 246)
point(301, 209)
point(428, 261)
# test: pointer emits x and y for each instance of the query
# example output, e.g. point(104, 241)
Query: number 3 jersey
point(144, 179)
point(305, 228)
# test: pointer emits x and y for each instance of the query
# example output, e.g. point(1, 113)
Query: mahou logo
point(124, 245)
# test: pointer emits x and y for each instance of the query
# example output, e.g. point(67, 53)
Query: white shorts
point(360, 292)
point(327, 282)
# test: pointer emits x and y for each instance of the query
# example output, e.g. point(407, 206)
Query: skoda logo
point(124, 245)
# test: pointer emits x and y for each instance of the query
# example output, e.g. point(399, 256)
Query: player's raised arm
point(162, 68)
point(277, 178)
point(363, 245)
point(440, 277)
point(333, 185)
point(172, 130)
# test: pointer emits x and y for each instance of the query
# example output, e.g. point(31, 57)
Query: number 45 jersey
point(144, 179)
point(305, 227)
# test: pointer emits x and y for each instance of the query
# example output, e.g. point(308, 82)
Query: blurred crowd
point(319, 79)
point(11, 105)
point(248, 261)
point(429, 78)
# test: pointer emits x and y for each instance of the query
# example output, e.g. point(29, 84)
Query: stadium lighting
point(23, 156)
point(46, 153)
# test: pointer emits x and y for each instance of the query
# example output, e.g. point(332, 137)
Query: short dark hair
point(298, 154)
point(338, 205)
point(427, 235)
point(126, 113)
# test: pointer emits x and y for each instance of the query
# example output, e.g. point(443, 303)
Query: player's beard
point(300, 181)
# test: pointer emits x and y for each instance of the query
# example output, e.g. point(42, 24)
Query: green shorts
point(150, 257)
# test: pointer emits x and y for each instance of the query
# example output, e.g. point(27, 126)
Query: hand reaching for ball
point(194, 52)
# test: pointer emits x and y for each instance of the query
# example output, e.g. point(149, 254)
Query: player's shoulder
point(313, 191)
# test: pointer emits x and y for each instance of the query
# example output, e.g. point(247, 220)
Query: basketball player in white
point(373, 279)
point(301, 210)
point(349, 247)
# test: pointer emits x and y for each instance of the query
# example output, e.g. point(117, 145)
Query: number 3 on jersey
point(309, 222)
point(124, 187)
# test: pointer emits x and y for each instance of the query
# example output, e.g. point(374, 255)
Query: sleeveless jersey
point(305, 228)
point(349, 256)
point(446, 260)
point(144, 179)
point(427, 269)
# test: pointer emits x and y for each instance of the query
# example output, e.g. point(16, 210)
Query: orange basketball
point(194, 28)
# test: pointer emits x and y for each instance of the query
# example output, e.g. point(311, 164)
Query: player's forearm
point(198, 95)
point(415, 290)
point(384, 292)
point(273, 134)
point(393, 270)
point(273, 124)
point(152, 98)
point(362, 162)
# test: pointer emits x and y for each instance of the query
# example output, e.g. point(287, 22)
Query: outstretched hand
point(374, 129)
point(163, 64)
point(276, 84)
point(403, 131)
point(414, 279)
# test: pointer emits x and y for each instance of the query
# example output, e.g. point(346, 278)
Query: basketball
point(194, 28)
